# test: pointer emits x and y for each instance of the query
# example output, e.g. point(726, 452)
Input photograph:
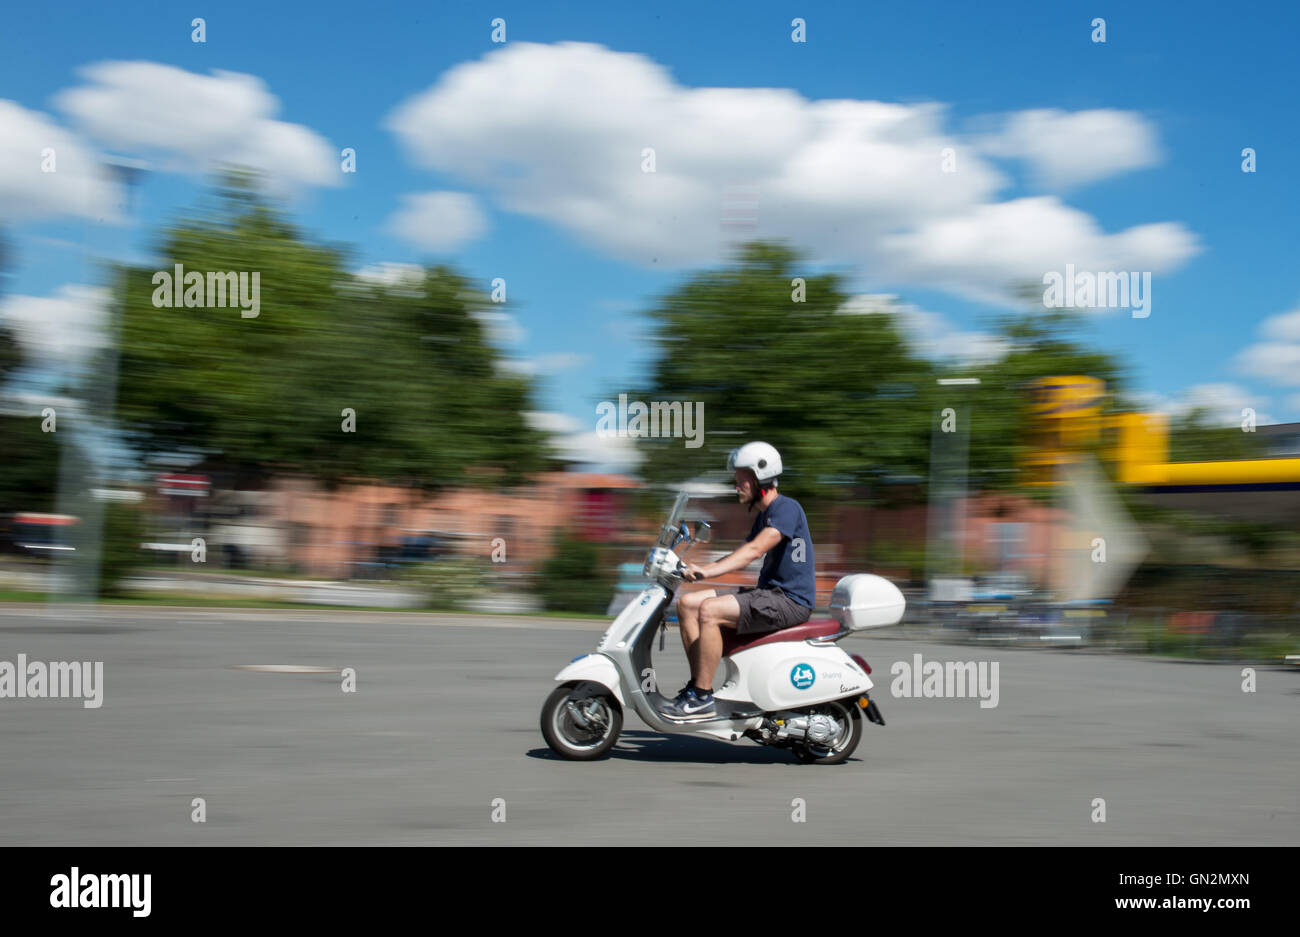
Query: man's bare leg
point(720, 611)
point(688, 622)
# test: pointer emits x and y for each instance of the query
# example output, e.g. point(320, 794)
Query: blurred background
point(204, 457)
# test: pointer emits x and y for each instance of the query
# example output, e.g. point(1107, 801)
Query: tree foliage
point(1193, 438)
point(574, 578)
point(838, 393)
point(29, 458)
point(1038, 345)
point(836, 388)
point(411, 360)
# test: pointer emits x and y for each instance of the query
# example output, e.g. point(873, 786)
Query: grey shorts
point(768, 610)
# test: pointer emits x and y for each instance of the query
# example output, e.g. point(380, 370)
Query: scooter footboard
point(596, 668)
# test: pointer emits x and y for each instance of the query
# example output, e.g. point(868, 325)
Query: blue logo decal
point(802, 676)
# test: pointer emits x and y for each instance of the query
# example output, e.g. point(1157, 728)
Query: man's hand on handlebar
point(693, 573)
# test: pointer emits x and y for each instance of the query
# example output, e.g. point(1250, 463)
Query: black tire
point(566, 737)
point(834, 754)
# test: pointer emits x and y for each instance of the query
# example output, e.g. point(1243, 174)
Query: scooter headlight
point(658, 562)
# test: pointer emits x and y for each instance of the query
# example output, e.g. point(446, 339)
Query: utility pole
point(949, 455)
point(85, 463)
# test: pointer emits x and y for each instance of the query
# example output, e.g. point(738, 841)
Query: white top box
point(865, 601)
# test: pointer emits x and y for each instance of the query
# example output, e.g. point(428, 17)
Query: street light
point(948, 477)
point(85, 435)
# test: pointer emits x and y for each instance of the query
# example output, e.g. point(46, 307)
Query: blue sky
point(1122, 155)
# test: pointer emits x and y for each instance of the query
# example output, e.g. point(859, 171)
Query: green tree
point(838, 393)
point(1193, 438)
point(29, 469)
point(123, 531)
point(575, 579)
point(412, 362)
point(11, 354)
point(1038, 344)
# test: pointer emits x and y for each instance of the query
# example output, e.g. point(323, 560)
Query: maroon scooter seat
point(823, 628)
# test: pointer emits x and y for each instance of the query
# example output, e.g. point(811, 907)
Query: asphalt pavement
point(439, 744)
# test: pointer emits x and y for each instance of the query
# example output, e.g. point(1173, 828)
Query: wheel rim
point(840, 713)
point(583, 724)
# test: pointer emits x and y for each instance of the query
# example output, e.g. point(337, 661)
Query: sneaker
point(690, 704)
point(669, 701)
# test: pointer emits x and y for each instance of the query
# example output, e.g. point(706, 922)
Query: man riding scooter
point(786, 590)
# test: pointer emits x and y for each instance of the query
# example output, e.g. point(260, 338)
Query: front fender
point(596, 668)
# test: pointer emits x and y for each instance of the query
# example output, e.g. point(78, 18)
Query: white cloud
point(438, 221)
point(983, 253)
point(549, 421)
point(545, 364)
point(519, 366)
point(1068, 149)
point(195, 122)
point(502, 328)
point(573, 444)
point(1284, 327)
point(561, 361)
point(1278, 360)
point(390, 274)
point(403, 279)
point(77, 185)
point(557, 132)
point(29, 403)
point(58, 331)
point(604, 453)
point(930, 334)
point(1223, 403)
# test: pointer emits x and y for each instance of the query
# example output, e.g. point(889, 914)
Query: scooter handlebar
point(681, 571)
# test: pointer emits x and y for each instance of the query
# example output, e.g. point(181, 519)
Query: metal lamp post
point(84, 461)
point(949, 454)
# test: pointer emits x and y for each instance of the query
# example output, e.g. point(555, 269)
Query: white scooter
point(794, 688)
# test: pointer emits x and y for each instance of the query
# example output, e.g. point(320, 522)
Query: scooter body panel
point(622, 631)
point(594, 668)
point(791, 675)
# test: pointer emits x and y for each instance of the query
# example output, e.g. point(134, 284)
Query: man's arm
point(748, 552)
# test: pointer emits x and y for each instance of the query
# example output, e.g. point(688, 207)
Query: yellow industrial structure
point(1069, 421)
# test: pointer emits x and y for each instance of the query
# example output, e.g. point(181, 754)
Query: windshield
point(672, 526)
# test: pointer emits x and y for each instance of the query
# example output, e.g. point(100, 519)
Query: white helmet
point(759, 457)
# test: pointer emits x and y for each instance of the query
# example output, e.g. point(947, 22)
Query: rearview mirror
point(703, 532)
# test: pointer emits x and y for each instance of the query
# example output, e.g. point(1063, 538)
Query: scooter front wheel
point(581, 721)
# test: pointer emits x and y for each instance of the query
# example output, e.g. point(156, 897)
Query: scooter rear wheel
point(581, 721)
point(840, 748)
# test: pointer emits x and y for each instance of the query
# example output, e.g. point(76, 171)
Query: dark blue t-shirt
point(789, 564)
